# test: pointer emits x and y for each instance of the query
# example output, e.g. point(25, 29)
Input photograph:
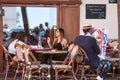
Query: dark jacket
point(90, 46)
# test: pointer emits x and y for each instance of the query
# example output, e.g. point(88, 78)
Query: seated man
point(89, 44)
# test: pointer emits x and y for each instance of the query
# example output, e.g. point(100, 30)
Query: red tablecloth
point(45, 49)
point(108, 49)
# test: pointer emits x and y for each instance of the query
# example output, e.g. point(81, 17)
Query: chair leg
point(16, 72)
point(56, 75)
point(113, 73)
point(82, 74)
point(49, 74)
point(40, 75)
point(46, 75)
point(29, 75)
point(74, 75)
point(6, 72)
point(23, 73)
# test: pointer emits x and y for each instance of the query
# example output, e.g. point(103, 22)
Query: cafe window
point(35, 15)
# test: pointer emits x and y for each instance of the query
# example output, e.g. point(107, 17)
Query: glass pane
point(36, 16)
point(41, 15)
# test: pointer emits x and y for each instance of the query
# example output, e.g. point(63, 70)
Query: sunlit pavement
point(108, 77)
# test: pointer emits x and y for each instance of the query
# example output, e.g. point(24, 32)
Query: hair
point(41, 26)
point(36, 30)
point(46, 23)
point(61, 31)
point(31, 40)
point(21, 36)
point(86, 30)
point(13, 35)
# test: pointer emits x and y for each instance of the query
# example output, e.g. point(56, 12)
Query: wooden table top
point(112, 59)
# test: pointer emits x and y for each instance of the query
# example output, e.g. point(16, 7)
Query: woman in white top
point(20, 38)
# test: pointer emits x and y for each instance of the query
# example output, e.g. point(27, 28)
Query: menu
point(95, 11)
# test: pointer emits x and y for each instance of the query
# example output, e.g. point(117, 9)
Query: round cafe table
point(50, 53)
point(113, 61)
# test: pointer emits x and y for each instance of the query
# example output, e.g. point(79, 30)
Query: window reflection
point(41, 15)
point(36, 16)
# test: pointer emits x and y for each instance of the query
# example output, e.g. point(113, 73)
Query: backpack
point(104, 68)
point(100, 34)
point(103, 37)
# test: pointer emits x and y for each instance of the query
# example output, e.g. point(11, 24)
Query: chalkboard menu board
point(95, 11)
point(112, 1)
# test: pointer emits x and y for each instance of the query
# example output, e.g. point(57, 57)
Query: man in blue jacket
point(89, 44)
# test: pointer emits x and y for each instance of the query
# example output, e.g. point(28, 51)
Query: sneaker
point(99, 78)
point(84, 78)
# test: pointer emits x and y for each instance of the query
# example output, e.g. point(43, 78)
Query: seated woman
point(12, 37)
point(20, 38)
point(59, 43)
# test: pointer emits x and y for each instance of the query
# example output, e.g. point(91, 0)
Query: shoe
point(84, 78)
point(99, 78)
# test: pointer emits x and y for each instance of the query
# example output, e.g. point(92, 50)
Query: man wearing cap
point(90, 46)
point(96, 33)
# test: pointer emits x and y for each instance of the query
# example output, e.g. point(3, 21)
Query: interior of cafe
point(60, 16)
point(45, 18)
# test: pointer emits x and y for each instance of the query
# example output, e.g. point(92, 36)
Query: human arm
point(99, 37)
point(4, 49)
point(95, 46)
point(64, 44)
point(48, 41)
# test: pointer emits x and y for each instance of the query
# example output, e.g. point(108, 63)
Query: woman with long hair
point(60, 42)
point(20, 38)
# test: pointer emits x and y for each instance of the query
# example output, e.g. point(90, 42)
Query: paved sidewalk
point(108, 77)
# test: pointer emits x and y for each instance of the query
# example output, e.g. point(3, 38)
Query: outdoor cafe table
point(50, 53)
point(113, 61)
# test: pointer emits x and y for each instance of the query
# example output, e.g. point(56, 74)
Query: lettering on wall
point(95, 11)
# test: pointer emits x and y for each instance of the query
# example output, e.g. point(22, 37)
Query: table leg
point(50, 63)
point(113, 74)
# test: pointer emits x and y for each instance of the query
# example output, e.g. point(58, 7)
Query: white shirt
point(11, 47)
point(96, 36)
point(88, 34)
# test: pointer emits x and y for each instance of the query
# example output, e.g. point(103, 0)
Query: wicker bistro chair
point(7, 65)
point(82, 67)
point(20, 59)
point(66, 69)
point(81, 58)
point(33, 66)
